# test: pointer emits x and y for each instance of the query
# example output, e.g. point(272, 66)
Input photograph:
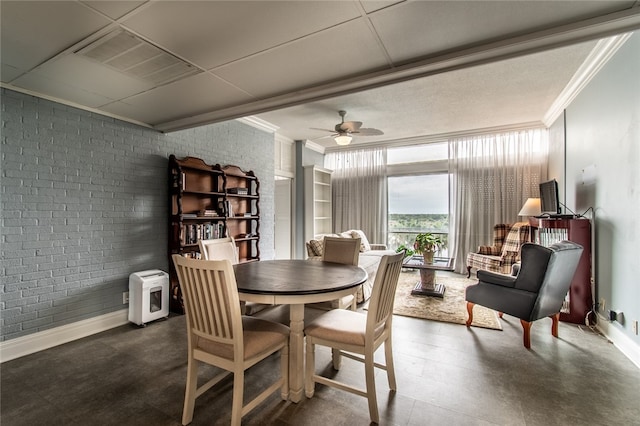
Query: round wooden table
point(294, 283)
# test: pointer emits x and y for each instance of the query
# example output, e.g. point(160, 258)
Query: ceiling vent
point(135, 57)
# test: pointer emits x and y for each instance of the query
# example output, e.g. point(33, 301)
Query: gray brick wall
point(84, 204)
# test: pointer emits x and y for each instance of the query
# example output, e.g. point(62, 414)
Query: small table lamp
point(531, 208)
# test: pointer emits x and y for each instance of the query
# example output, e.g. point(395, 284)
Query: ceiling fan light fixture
point(343, 139)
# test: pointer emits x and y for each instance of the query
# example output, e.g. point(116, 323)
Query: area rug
point(452, 308)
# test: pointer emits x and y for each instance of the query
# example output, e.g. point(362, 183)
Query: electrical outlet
point(125, 297)
point(634, 325)
point(602, 305)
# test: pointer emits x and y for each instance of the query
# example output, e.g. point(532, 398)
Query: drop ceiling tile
point(418, 29)
point(212, 33)
point(373, 5)
point(35, 31)
point(113, 9)
point(8, 73)
point(86, 77)
point(346, 50)
point(185, 98)
point(52, 89)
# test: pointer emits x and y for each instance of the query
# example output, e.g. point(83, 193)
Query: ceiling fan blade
point(324, 130)
point(369, 132)
point(323, 137)
point(349, 126)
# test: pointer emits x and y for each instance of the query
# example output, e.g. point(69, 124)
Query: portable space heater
point(148, 296)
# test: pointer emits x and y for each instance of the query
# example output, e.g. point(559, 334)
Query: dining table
point(296, 282)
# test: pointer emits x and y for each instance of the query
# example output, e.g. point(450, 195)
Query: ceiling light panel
point(133, 56)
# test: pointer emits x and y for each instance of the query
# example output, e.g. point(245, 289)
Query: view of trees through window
point(417, 204)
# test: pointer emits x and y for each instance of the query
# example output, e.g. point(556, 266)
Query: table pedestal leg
point(427, 285)
point(296, 353)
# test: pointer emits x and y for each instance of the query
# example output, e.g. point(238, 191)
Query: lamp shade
point(343, 139)
point(531, 208)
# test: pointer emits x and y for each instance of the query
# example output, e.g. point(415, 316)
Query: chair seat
point(344, 302)
point(259, 335)
point(484, 262)
point(342, 326)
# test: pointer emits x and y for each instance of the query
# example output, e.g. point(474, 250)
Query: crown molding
point(599, 56)
point(258, 123)
point(313, 146)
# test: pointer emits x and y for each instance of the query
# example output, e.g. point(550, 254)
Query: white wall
point(603, 139)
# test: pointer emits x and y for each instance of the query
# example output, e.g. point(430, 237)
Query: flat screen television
point(549, 200)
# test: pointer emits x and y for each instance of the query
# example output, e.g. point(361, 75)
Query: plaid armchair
point(505, 251)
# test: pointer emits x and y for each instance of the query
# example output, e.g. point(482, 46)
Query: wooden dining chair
point(218, 249)
point(347, 252)
point(225, 248)
point(358, 333)
point(220, 336)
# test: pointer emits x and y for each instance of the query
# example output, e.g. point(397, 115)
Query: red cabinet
point(550, 230)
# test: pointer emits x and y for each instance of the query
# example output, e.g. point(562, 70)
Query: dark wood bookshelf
point(196, 187)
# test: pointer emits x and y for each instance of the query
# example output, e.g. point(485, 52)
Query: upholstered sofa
point(370, 255)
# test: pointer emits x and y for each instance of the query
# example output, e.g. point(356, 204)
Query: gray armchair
point(537, 291)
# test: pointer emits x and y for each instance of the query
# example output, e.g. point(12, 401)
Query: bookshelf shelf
point(318, 203)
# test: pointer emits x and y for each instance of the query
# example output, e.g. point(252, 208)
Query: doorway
point(283, 214)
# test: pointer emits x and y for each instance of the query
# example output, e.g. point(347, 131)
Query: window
point(418, 203)
point(418, 153)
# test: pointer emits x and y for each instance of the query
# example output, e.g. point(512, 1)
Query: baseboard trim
point(32, 343)
point(620, 340)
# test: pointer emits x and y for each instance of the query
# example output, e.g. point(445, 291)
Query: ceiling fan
point(344, 130)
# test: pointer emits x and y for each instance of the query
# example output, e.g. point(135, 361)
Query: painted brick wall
point(84, 204)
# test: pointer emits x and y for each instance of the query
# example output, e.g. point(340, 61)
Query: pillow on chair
point(364, 243)
point(315, 248)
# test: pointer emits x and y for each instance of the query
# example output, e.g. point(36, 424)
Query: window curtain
point(359, 191)
point(491, 178)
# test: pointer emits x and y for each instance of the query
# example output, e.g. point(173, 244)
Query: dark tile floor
point(447, 374)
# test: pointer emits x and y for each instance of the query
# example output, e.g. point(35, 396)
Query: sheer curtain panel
point(491, 177)
point(359, 187)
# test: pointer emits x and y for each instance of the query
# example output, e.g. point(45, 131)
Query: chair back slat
point(210, 297)
point(384, 290)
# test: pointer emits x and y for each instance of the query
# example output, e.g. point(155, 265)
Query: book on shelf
point(208, 213)
point(238, 191)
point(229, 209)
point(191, 233)
point(192, 255)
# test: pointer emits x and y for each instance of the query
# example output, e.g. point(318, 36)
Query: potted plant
point(427, 244)
point(408, 251)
